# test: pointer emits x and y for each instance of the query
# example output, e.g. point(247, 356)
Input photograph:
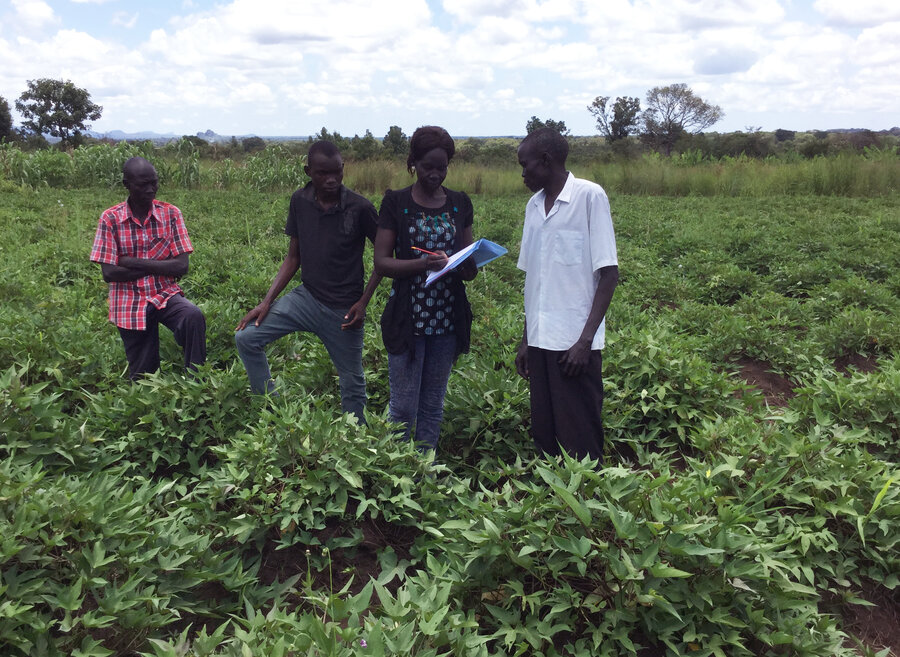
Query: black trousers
point(566, 411)
point(188, 325)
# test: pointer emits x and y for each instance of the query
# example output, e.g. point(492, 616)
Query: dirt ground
point(776, 389)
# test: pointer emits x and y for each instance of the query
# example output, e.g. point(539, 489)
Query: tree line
point(672, 111)
point(672, 121)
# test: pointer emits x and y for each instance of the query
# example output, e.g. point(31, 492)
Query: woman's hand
point(435, 261)
point(467, 270)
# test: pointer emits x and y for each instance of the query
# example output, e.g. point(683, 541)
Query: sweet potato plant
point(748, 503)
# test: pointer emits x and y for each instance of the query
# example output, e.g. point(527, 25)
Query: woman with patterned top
point(424, 327)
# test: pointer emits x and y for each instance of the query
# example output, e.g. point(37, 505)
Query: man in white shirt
point(571, 270)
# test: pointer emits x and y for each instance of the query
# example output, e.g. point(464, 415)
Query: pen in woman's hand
point(415, 248)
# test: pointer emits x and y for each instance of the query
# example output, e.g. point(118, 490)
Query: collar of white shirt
point(565, 196)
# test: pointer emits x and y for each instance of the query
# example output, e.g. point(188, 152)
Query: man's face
point(535, 167)
point(142, 183)
point(326, 173)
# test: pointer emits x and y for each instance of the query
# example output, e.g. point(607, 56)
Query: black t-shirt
point(431, 229)
point(331, 244)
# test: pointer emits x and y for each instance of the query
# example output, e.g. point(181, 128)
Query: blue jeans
point(418, 380)
point(296, 311)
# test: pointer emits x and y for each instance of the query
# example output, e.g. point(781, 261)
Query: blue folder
point(482, 251)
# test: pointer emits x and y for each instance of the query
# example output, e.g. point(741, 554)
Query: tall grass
point(372, 177)
point(841, 175)
point(872, 173)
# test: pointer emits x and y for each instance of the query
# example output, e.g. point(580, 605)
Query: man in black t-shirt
point(328, 225)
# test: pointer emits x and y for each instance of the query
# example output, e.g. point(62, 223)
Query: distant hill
point(157, 137)
point(214, 138)
point(144, 135)
point(162, 138)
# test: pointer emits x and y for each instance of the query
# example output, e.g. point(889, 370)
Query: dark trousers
point(566, 411)
point(188, 325)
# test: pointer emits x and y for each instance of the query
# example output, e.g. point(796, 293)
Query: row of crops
point(749, 504)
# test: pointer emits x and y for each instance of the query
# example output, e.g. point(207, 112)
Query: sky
point(476, 67)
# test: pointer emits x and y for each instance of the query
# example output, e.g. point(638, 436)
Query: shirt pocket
point(158, 249)
point(347, 226)
point(567, 247)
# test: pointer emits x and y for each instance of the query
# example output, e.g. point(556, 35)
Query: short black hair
point(550, 141)
point(133, 164)
point(427, 138)
point(323, 147)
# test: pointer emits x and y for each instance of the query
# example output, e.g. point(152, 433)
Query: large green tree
point(618, 121)
point(534, 123)
point(674, 110)
point(365, 147)
point(342, 143)
point(5, 120)
point(57, 108)
point(395, 142)
point(253, 144)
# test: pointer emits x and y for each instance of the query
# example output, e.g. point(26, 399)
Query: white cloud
point(876, 54)
point(723, 58)
point(879, 47)
point(68, 54)
point(278, 62)
point(621, 20)
point(124, 19)
point(33, 14)
point(250, 92)
point(705, 14)
point(532, 11)
point(497, 31)
point(809, 69)
point(859, 12)
point(473, 10)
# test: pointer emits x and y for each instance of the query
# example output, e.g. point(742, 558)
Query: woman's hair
point(427, 138)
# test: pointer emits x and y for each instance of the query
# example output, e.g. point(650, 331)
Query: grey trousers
point(296, 311)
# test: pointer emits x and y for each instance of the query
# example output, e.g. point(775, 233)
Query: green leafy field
point(751, 503)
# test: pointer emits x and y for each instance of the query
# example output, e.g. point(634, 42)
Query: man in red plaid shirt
point(142, 246)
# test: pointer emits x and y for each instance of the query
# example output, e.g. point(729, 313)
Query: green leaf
point(456, 524)
point(880, 496)
point(492, 530)
point(780, 638)
point(91, 648)
point(430, 627)
point(624, 522)
point(352, 478)
point(662, 570)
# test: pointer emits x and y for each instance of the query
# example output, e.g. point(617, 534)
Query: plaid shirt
point(162, 236)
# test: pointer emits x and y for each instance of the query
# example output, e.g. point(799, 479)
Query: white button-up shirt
point(561, 254)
